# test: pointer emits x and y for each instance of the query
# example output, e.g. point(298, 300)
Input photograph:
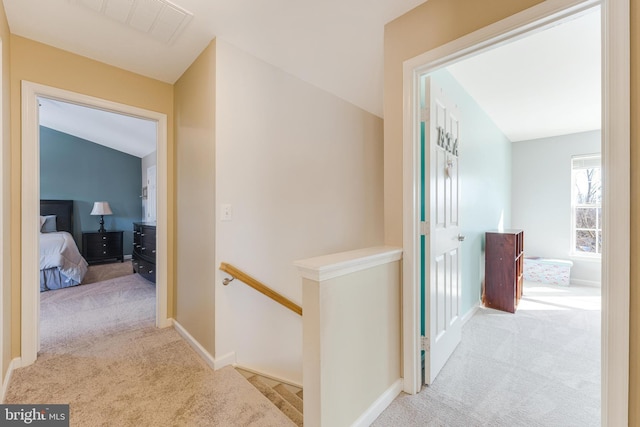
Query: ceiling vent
point(160, 19)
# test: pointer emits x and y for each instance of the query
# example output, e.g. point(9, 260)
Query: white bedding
point(59, 250)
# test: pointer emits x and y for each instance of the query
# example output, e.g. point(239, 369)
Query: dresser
point(144, 250)
point(101, 247)
point(504, 266)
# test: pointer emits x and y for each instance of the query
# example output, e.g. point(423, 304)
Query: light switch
point(226, 212)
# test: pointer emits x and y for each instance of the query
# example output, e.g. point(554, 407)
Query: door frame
point(30, 299)
point(615, 152)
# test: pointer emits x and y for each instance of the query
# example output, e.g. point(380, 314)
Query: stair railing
point(258, 286)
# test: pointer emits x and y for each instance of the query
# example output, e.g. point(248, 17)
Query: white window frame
point(590, 158)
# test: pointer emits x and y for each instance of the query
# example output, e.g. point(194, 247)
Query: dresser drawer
point(144, 240)
point(144, 250)
point(144, 268)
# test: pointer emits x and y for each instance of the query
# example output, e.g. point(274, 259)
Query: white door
point(151, 194)
point(441, 255)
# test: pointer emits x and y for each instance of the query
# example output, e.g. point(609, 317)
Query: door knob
point(460, 238)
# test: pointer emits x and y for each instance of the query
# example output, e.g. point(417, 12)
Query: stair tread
point(287, 408)
point(289, 396)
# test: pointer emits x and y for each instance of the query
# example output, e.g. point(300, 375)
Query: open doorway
point(521, 118)
point(615, 282)
point(31, 92)
point(92, 197)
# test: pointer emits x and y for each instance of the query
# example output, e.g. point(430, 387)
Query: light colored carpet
point(537, 367)
point(102, 354)
point(102, 272)
point(73, 316)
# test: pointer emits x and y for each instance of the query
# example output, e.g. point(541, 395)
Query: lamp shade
point(101, 208)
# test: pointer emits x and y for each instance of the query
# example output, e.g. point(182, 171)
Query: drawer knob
point(150, 271)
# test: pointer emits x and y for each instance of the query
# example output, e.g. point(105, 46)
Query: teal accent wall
point(485, 184)
point(75, 169)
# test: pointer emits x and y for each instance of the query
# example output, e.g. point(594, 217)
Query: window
point(586, 205)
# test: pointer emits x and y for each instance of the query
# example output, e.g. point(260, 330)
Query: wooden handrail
point(260, 287)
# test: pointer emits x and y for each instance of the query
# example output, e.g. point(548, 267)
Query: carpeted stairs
point(287, 398)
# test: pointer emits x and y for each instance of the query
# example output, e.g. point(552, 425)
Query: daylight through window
point(586, 205)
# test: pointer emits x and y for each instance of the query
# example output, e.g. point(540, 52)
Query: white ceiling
point(542, 85)
point(336, 45)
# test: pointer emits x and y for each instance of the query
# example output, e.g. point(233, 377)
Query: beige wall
point(49, 66)
point(5, 203)
point(437, 22)
point(302, 170)
point(634, 356)
point(195, 112)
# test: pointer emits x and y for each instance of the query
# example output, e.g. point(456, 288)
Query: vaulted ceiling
point(542, 85)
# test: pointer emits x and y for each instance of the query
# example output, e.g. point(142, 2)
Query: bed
point(61, 264)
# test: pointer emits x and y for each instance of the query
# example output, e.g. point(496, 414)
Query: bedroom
point(86, 156)
point(548, 104)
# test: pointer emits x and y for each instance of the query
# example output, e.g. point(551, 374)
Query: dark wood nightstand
point(100, 247)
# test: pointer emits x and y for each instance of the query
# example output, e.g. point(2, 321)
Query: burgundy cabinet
point(504, 262)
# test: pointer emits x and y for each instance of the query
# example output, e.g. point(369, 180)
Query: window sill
point(588, 258)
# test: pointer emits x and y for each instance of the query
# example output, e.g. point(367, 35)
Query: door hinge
point(424, 344)
point(424, 228)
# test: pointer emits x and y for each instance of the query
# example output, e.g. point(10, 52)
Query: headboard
point(62, 209)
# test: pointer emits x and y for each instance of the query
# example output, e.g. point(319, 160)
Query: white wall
point(302, 171)
point(485, 184)
point(542, 197)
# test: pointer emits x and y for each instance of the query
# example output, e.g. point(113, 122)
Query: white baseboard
point(227, 359)
point(127, 257)
point(15, 363)
point(270, 376)
point(470, 313)
point(165, 323)
point(582, 282)
point(379, 405)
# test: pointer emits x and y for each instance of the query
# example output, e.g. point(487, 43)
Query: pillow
point(49, 225)
point(42, 220)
